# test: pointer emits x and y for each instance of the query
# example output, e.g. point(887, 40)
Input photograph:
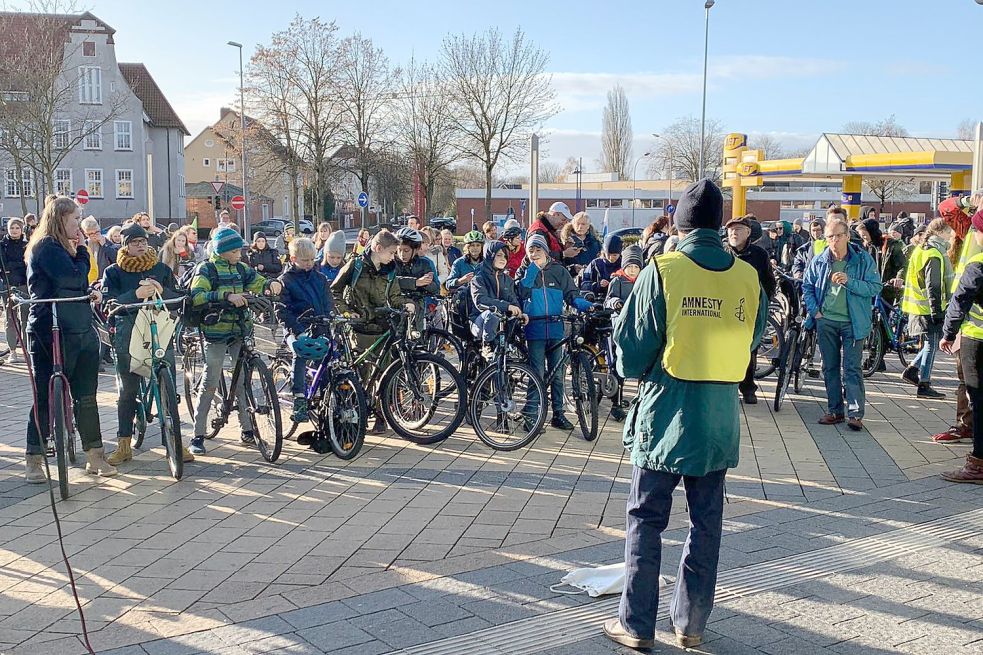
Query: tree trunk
point(488, 193)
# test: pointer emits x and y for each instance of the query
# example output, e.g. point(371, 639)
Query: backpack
point(192, 315)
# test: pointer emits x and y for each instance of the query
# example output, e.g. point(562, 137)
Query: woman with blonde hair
point(580, 233)
point(177, 254)
point(58, 267)
point(321, 237)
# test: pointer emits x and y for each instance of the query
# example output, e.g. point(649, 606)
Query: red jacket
point(540, 227)
point(515, 260)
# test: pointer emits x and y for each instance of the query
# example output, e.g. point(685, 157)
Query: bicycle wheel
point(445, 344)
point(772, 345)
point(785, 369)
point(170, 422)
point(494, 408)
point(140, 421)
point(874, 346)
point(283, 375)
point(264, 408)
point(56, 409)
point(193, 365)
point(345, 415)
point(425, 402)
point(585, 395)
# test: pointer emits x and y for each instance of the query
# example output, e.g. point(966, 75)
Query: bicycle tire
point(170, 422)
point(56, 407)
point(71, 437)
point(476, 397)
point(218, 404)
point(346, 401)
point(775, 336)
point(873, 349)
point(439, 368)
point(784, 368)
point(191, 364)
point(269, 437)
point(283, 375)
point(139, 422)
point(443, 343)
point(585, 395)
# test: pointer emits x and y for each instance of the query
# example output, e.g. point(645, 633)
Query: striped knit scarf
point(140, 264)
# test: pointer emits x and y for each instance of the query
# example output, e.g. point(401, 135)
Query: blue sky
point(789, 68)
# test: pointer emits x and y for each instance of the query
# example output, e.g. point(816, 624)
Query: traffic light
point(218, 203)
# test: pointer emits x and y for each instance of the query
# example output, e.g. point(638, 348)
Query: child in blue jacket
point(596, 277)
point(546, 288)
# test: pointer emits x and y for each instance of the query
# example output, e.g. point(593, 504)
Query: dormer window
point(88, 48)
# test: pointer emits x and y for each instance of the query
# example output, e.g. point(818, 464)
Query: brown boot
point(970, 473)
point(124, 452)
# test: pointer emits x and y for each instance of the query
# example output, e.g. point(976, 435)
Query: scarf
point(140, 264)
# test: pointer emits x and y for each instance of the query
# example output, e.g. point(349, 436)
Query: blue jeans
point(840, 349)
point(298, 384)
point(554, 385)
point(649, 504)
point(925, 359)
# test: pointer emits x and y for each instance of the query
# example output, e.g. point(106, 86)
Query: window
point(226, 165)
point(124, 183)
point(266, 212)
point(592, 203)
point(90, 85)
point(63, 181)
point(88, 48)
point(60, 135)
point(93, 182)
point(27, 182)
point(93, 136)
point(124, 135)
point(181, 191)
point(603, 203)
point(617, 203)
point(11, 188)
point(206, 162)
point(209, 143)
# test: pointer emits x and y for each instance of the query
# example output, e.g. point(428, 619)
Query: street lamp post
point(634, 185)
point(242, 127)
point(671, 180)
point(579, 172)
point(703, 118)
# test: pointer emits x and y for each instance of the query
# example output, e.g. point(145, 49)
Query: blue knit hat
point(226, 239)
point(537, 240)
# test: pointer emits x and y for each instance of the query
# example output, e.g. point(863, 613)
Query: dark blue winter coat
point(544, 293)
point(491, 289)
point(303, 290)
point(330, 272)
point(53, 273)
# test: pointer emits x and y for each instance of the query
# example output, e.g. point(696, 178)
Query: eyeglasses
point(835, 236)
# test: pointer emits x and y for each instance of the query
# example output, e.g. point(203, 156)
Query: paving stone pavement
point(407, 544)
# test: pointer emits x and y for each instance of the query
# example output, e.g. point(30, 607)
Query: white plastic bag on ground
point(598, 581)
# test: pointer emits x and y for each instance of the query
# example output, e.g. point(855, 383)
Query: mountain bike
point(158, 395)
point(888, 331)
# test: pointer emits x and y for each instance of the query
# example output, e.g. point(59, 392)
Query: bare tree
point(884, 188)
point(569, 166)
point(616, 134)
point(550, 171)
point(366, 85)
point(966, 129)
point(426, 130)
point(771, 147)
point(41, 118)
point(682, 140)
point(500, 93)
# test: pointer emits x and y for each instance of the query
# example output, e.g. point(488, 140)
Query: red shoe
point(970, 473)
point(953, 435)
point(831, 419)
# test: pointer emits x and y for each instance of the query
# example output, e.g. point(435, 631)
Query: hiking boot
point(197, 446)
point(970, 473)
point(831, 419)
point(882, 366)
point(247, 438)
point(300, 410)
point(855, 424)
point(379, 425)
point(614, 631)
point(186, 456)
point(925, 390)
point(618, 414)
point(123, 452)
point(34, 473)
point(953, 435)
point(687, 641)
point(96, 464)
point(910, 375)
point(750, 398)
point(560, 422)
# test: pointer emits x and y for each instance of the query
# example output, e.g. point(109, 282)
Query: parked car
point(273, 227)
point(629, 235)
point(444, 222)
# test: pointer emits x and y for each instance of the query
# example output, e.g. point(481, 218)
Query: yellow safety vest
point(818, 246)
point(973, 325)
point(710, 318)
point(968, 246)
point(915, 300)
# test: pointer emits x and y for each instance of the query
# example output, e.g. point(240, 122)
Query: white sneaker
point(13, 358)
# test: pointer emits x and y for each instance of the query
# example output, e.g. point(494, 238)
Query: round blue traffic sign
point(670, 209)
point(363, 199)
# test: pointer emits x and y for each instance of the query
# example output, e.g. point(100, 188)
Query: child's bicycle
point(250, 369)
point(336, 401)
point(158, 394)
point(60, 404)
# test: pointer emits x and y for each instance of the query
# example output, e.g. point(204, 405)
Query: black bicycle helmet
point(409, 236)
point(512, 232)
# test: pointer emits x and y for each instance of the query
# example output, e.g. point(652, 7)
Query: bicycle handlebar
point(117, 307)
point(21, 300)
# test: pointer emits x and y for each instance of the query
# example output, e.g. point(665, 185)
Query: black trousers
point(971, 358)
point(748, 384)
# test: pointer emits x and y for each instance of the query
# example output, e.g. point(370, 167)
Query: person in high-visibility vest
point(928, 282)
point(686, 331)
point(965, 318)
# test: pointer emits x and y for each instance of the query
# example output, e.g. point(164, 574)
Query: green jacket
point(233, 323)
point(373, 288)
point(687, 428)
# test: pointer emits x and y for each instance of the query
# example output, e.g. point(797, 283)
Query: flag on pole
point(604, 230)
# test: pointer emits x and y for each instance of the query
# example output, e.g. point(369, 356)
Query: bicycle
point(60, 403)
point(790, 362)
point(496, 390)
point(250, 368)
point(412, 385)
point(336, 401)
point(158, 393)
point(888, 331)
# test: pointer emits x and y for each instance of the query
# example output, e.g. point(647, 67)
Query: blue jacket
point(303, 290)
point(53, 273)
point(461, 267)
point(597, 270)
point(863, 283)
point(491, 289)
point(453, 254)
point(592, 248)
point(545, 293)
point(330, 272)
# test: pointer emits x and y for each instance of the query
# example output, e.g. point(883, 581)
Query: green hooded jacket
point(687, 428)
